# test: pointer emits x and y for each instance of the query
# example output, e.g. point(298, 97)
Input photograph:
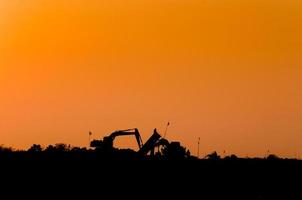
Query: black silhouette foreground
point(159, 166)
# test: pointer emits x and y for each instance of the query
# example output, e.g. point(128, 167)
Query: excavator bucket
point(149, 145)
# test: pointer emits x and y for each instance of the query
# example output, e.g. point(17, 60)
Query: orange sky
point(227, 71)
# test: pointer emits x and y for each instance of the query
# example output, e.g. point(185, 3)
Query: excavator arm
point(127, 132)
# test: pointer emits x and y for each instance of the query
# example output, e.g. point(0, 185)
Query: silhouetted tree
point(5, 149)
point(232, 157)
point(272, 157)
point(50, 148)
point(188, 153)
point(60, 147)
point(35, 148)
point(78, 149)
point(213, 156)
point(174, 151)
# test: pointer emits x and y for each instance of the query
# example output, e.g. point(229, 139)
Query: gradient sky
point(227, 71)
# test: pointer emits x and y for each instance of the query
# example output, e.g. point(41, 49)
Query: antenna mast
point(89, 138)
point(168, 124)
point(198, 147)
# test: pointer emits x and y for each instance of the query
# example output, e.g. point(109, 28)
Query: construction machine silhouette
point(155, 142)
point(107, 143)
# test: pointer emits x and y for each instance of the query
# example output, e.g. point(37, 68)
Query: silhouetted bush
point(35, 148)
point(213, 156)
point(175, 151)
point(6, 149)
point(272, 157)
point(60, 147)
point(231, 157)
point(78, 149)
point(50, 148)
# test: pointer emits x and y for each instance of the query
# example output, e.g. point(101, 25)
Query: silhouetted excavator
point(155, 141)
point(107, 143)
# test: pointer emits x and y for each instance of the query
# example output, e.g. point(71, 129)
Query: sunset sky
point(227, 71)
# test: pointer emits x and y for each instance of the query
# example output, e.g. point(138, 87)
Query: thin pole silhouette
point(166, 129)
point(198, 147)
point(89, 138)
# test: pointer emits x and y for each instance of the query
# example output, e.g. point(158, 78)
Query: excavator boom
point(134, 132)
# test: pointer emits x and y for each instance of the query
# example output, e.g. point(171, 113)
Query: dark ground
point(89, 175)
